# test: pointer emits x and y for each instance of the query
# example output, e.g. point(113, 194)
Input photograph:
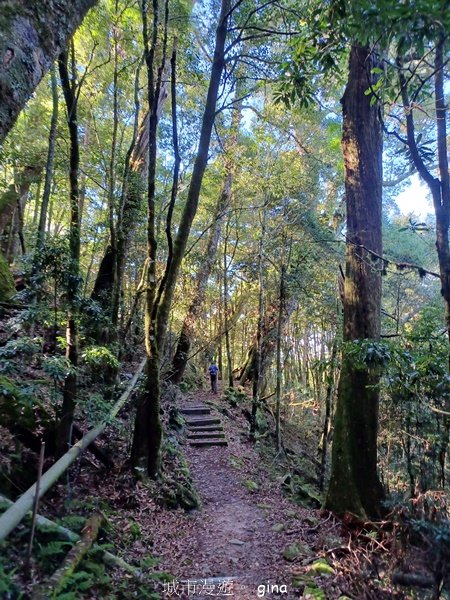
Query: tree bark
point(325, 438)
point(32, 35)
point(269, 339)
point(279, 375)
point(12, 204)
point(188, 328)
point(256, 373)
point(226, 266)
point(147, 435)
point(201, 160)
point(64, 431)
point(440, 191)
point(354, 485)
point(49, 164)
point(148, 432)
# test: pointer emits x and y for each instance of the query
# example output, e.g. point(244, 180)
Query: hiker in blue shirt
point(213, 371)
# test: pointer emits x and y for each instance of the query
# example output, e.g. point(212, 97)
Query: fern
point(54, 548)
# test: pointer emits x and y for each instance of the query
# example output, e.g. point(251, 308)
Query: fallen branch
point(66, 534)
point(75, 555)
point(14, 515)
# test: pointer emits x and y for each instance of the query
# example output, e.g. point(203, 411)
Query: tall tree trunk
point(147, 435)
point(279, 375)
point(256, 373)
point(69, 87)
point(32, 34)
point(354, 484)
point(226, 266)
point(439, 188)
point(325, 439)
point(147, 432)
point(49, 165)
point(269, 338)
point(12, 205)
point(201, 160)
point(195, 309)
point(107, 289)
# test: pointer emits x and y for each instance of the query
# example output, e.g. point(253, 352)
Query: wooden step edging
point(206, 443)
point(204, 428)
point(195, 411)
point(204, 421)
point(206, 436)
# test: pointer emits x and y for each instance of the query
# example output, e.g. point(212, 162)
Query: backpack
point(213, 370)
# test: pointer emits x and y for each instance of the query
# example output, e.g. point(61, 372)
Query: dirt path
point(242, 529)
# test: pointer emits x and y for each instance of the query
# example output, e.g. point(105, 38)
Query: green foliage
point(8, 588)
point(251, 485)
point(193, 379)
point(235, 396)
point(95, 408)
point(10, 390)
point(53, 549)
point(22, 346)
point(73, 522)
point(53, 260)
point(99, 357)
point(422, 522)
point(321, 567)
point(367, 353)
point(57, 367)
point(303, 493)
point(415, 390)
point(316, 49)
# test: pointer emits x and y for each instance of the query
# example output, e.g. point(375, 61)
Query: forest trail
point(243, 526)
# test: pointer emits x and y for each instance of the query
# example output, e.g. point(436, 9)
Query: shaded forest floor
point(246, 529)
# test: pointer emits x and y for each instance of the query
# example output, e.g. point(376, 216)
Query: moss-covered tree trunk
point(226, 266)
point(64, 430)
point(354, 484)
point(257, 362)
point(12, 205)
point(147, 435)
point(32, 34)
point(7, 288)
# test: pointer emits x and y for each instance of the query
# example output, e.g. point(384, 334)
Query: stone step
point(205, 436)
point(206, 443)
point(204, 428)
point(203, 421)
point(195, 410)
